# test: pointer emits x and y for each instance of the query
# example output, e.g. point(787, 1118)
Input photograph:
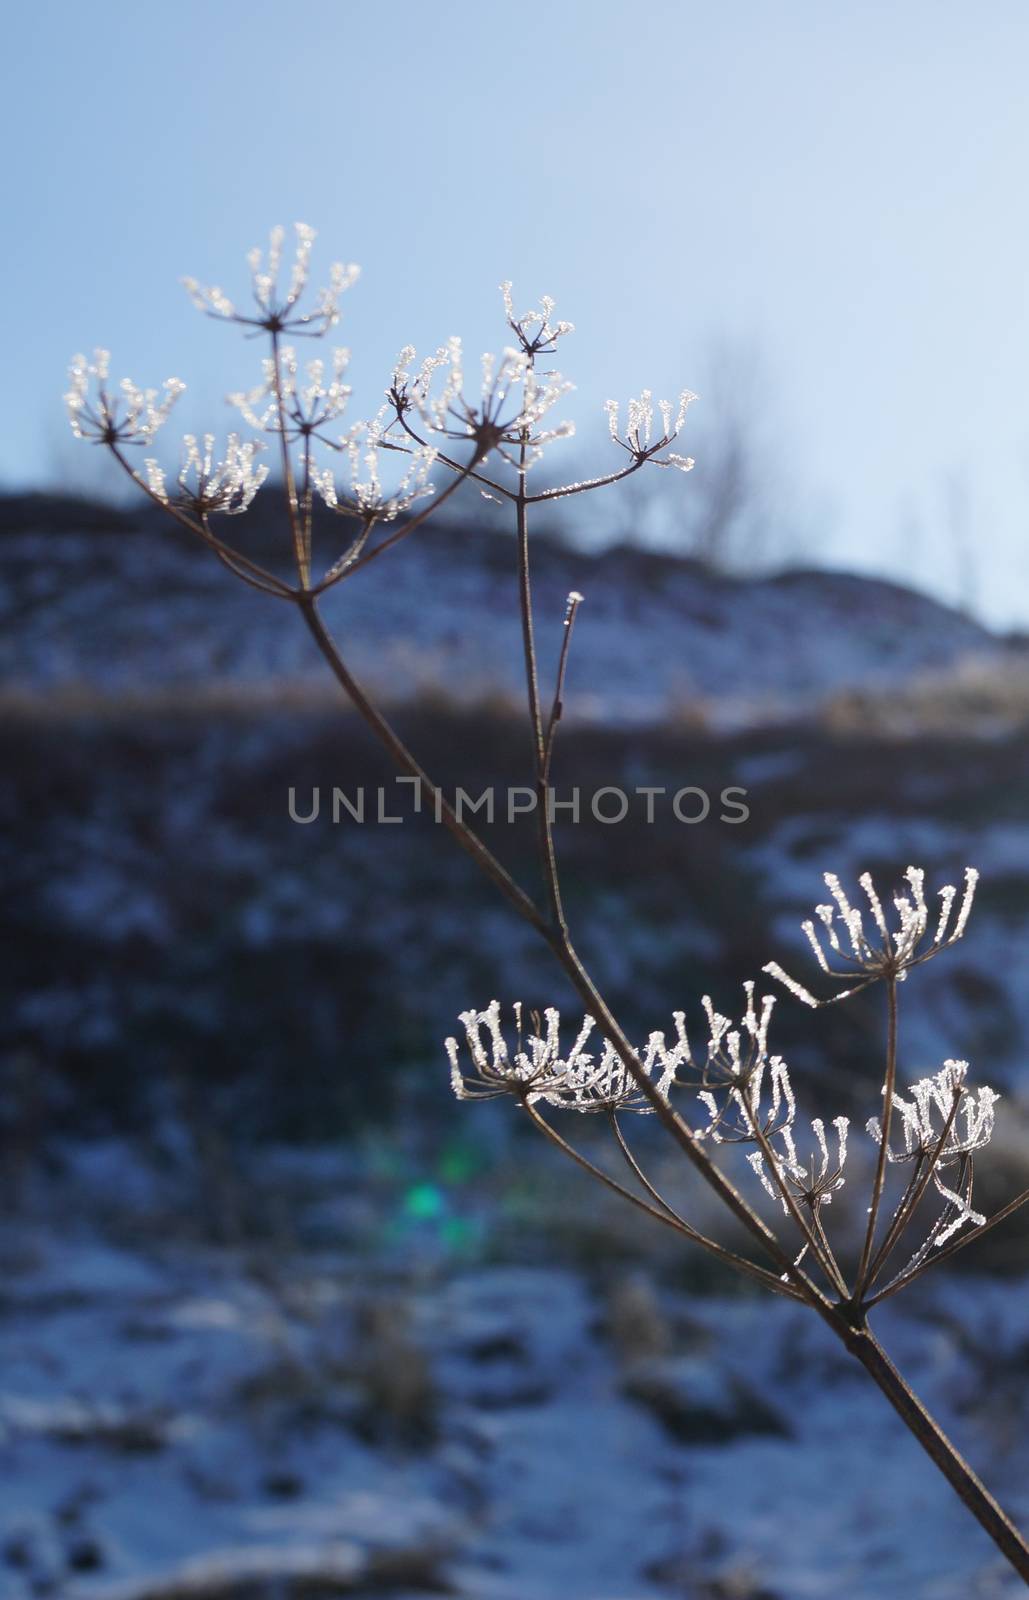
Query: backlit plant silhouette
point(491, 431)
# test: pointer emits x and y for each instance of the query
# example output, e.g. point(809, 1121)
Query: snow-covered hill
point(95, 603)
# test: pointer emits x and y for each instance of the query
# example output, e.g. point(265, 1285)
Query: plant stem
point(466, 838)
point(863, 1344)
point(544, 825)
point(662, 1212)
point(861, 1281)
point(301, 552)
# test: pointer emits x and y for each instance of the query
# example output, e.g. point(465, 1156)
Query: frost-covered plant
point(491, 432)
point(865, 957)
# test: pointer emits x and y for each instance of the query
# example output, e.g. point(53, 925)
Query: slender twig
point(889, 1086)
point(808, 1232)
point(301, 553)
point(915, 1190)
point(728, 1256)
point(545, 832)
point(560, 944)
point(403, 532)
point(838, 1277)
point(250, 571)
point(466, 836)
point(557, 708)
point(307, 498)
point(952, 1247)
point(662, 1212)
point(447, 461)
point(589, 484)
point(345, 564)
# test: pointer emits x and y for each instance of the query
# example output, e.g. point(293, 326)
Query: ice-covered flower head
point(207, 487)
point(738, 1072)
point(944, 1122)
point(130, 417)
point(536, 334)
point(537, 1069)
point(639, 440)
point(506, 416)
point(857, 956)
point(362, 494)
point(813, 1182)
point(277, 310)
point(311, 398)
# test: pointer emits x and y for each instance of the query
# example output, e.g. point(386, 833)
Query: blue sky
point(842, 187)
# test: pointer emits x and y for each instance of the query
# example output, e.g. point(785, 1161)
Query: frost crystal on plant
point(206, 487)
point(310, 400)
point(638, 440)
point(536, 1070)
point(505, 417)
point(129, 419)
point(277, 312)
point(815, 1182)
point(845, 951)
point(944, 1123)
point(364, 496)
point(535, 332)
point(736, 1073)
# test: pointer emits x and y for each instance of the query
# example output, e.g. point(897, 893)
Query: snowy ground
point(355, 1412)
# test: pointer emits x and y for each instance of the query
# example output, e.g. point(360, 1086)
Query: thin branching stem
point(837, 1275)
point(922, 1176)
point(740, 1263)
point(385, 733)
point(951, 1248)
point(301, 553)
point(344, 566)
point(557, 707)
point(561, 945)
point(879, 1181)
point(403, 532)
point(307, 500)
point(808, 1232)
point(589, 484)
point(448, 461)
point(662, 1212)
point(250, 571)
point(548, 858)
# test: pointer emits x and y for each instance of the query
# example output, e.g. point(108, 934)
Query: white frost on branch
point(536, 1069)
point(638, 439)
point(737, 1073)
point(534, 330)
point(277, 311)
point(363, 495)
point(815, 1182)
point(207, 487)
point(944, 1122)
point(129, 418)
point(311, 398)
point(507, 414)
point(847, 951)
